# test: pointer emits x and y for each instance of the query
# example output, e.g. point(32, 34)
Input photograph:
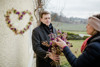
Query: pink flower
point(17, 12)
point(8, 22)
point(59, 32)
point(21, 32)
point(23, 13)
point(15, 29)
point(25, 29)
point(50, 42)
point(52, 38)
point(11, 28)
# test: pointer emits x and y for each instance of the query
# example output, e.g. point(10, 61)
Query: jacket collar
point(94, 38)
point(47, 28)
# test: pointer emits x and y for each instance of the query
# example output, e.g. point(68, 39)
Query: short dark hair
point(43, 13)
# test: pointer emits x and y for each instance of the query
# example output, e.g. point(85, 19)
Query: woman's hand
point(60, 43)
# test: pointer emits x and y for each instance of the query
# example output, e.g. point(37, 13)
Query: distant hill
point(75, 20)
point(70, 20)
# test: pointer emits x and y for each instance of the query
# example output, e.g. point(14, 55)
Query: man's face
point(46, 19)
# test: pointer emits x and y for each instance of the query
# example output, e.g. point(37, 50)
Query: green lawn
point(75, 49)
point(77, 32)
point(69, 27)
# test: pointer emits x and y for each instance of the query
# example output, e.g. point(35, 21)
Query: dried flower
point(20, 16)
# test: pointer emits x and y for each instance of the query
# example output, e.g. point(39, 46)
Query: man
point(39, 35)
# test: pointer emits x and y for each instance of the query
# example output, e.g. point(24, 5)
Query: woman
point(90, 56)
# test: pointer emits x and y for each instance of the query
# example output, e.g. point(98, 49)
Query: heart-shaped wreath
point(20, 16)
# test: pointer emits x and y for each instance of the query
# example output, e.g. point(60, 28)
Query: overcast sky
point(75, 8)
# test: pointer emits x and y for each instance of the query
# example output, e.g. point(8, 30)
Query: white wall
point(16, 50)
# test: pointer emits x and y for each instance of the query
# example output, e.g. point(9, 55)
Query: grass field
point(69, 27)
point(77, 32)
point(75, 50)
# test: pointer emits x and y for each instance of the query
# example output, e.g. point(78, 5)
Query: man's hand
point(54, 57)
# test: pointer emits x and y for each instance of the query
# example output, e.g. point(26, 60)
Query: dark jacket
point(90, 56)
point(39, 35)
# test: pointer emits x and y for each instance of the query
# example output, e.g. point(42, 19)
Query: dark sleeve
point(86, 58)
point(37, 44)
